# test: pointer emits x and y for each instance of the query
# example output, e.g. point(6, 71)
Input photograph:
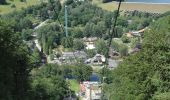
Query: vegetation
point(144, 75)
point(14, 66)
point(8, 6)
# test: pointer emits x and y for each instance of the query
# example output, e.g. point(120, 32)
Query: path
point(35, 34)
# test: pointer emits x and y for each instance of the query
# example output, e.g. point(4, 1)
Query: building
point(90, 90)
point(138, 33)
point(70, 57)
point(90, 42)
point(98, 59)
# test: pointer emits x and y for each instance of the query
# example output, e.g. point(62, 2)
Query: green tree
point(48, 83)
point(125, 39)
point(67, 42)
point(83, 72)
point(3, 2)
point(26, 34)
point(25, 23)
point(91, 53)
point(145, 75)
point(101, 47)
point(14, 70)
point(78, 44)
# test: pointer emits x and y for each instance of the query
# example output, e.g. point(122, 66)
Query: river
point(150, 1)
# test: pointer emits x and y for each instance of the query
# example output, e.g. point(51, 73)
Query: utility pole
point(66, 20)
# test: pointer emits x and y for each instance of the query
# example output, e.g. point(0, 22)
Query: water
point(150, 1)
point(95, 77)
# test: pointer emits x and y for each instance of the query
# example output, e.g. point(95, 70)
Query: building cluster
point(90, 90)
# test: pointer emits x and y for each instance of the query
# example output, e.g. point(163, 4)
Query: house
point(90, 90)
point(113, 53)
point(72, 56)
point(90, 42)
point(139, 33)
point(98, 59)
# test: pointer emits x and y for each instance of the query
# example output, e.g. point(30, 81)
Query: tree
point(14, 70)
point(145, 75)
point(89, 30)
point(91, 53)
point(83, 72)
point(26, 34)
point(125, 39)
point(101, 47)
point(48, 83)
point(3, 2)
point(35, 59)
point(77, 33)
point(123, 49)
point(25, 23)
point(67, 42)
point(78, 44)
point(108, 18)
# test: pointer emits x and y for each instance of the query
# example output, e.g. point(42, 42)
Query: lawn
point(7, 8)
point(111, 6)
point(156, 8)
point(74, 85)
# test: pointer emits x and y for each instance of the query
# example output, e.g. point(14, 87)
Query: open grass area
point(156, 8)
point(7, 8)
point(74, 85)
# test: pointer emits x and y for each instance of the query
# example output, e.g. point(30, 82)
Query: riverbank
point(140, 6)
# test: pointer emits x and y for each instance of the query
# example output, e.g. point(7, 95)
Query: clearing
point(74, 85)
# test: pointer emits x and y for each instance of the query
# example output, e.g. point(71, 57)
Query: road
point(35, 34)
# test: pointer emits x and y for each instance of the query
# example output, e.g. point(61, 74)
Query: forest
point(140, 76)
point(144, 75)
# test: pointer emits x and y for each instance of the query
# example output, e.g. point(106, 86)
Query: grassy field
point(156, 8)
point(7, 8)
point(74, 85)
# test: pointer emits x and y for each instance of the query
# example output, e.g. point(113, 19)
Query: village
point(91, 90)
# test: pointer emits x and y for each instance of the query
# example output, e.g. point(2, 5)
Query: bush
point(123, 50)
point(51, 57)
point(90, 53)
point(78, 44)
point(13, 6)
point(125, 39)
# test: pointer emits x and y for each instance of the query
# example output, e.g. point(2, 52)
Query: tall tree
point(14, 66)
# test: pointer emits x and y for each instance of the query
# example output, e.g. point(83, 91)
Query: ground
point(156, 8)
point(7, 8)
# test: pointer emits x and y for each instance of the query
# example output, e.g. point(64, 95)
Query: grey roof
point(78, 54)
point(113, 63)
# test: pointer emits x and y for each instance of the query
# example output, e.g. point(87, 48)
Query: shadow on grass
point(5, 3)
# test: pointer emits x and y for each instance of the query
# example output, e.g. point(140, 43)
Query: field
point(7, 8)
point(155, 8)
point(74, 85)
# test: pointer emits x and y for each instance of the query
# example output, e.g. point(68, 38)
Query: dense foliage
point(145, 75)
point(14, 66)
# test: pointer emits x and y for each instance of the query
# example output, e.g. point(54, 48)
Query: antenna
point(66, 21)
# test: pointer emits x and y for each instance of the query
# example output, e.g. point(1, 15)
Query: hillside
point(10, 6)
point(145, 75)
